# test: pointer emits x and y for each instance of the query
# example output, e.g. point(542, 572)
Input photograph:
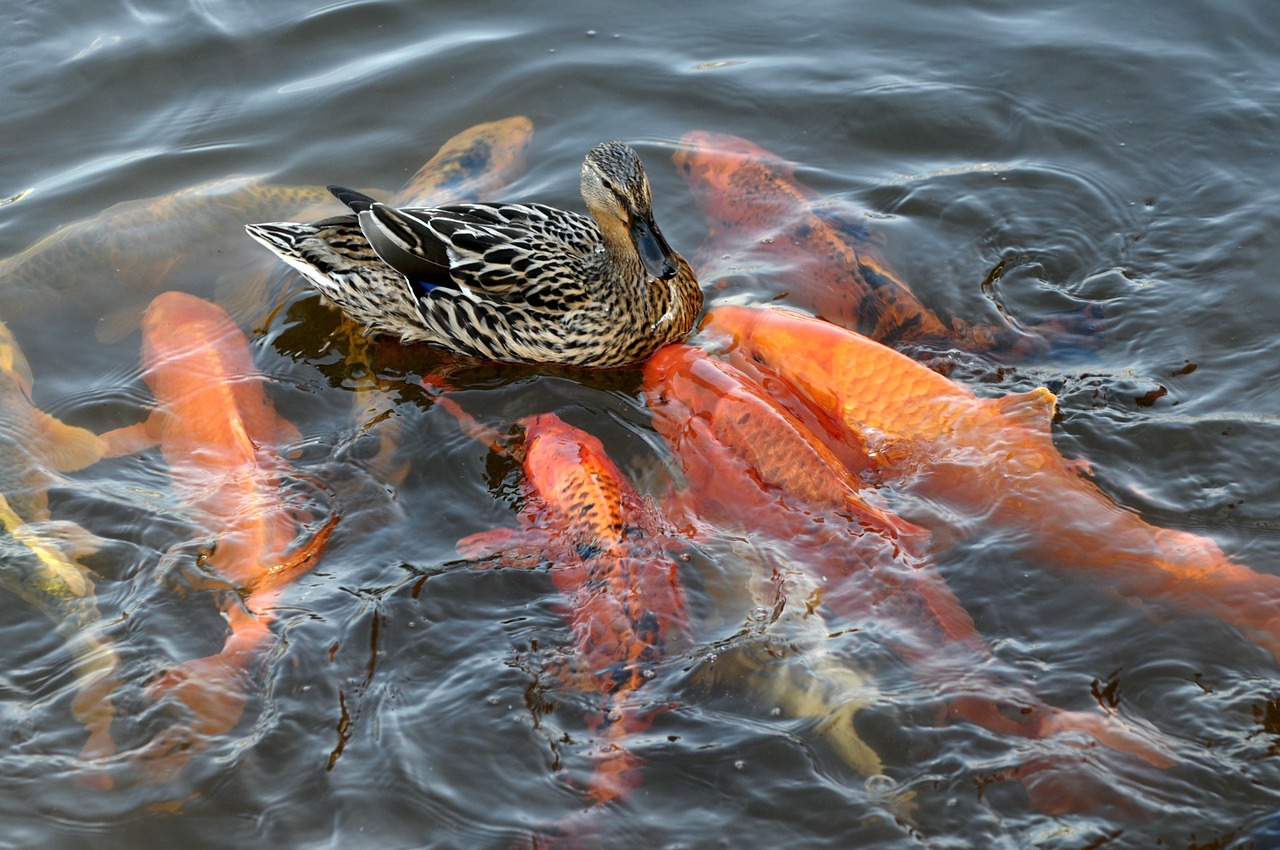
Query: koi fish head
point(732, 436)
point(766, 343)
point(689, 397)
point(186, 339)
point(581, 487)
point(733, 180)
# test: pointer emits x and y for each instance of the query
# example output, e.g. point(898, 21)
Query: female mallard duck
point(520, 283)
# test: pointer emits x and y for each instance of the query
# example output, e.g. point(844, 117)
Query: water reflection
point(408, 701)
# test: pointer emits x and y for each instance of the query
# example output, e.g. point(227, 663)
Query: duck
point(515, 283)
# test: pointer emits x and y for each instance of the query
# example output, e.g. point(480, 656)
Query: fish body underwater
point(819, 255)
point(986, 463)
point(37, 564)
point(219, 434)
point(749, 464)
point(609, 550)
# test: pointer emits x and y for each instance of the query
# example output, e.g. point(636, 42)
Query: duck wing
point(513, 253)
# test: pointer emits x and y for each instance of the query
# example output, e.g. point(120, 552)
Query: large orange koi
point(749, 462)
point(991, 461)
point(822, 259)
point(218, 432)
point(609, 553)
point(753, 202)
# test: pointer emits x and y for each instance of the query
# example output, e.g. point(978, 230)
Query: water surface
point(1117, 157)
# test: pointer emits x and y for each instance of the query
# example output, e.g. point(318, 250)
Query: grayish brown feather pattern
point(510, 282)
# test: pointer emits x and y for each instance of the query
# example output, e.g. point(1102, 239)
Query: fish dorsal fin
point(1031, 410)
point(69, 446)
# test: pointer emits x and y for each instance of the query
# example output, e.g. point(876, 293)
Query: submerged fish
point(476, 162)
point(752, 465)
point(219, 434)
point(819, 258)
point(609, 550)
point(753, 202)
point(987, 463)
point(35, 564)
point(136, 248)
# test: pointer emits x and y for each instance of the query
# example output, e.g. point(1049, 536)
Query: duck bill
point(658, 258)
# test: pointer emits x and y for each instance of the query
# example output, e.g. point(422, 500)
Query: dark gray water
point(1121, 157)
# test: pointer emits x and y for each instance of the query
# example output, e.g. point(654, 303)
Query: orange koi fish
point(609, 553)
point(473, 164)
point(825, 263)
point(749, 462)
point(751, 198)
point(990, 460)
point(218, 433)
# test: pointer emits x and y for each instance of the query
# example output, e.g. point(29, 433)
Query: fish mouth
point(656, 255)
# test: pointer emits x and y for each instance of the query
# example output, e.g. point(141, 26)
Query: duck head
point(616, 191)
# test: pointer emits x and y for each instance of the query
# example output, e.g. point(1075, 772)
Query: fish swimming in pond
point(751, 199)
point(822, 259)
point(219, 435)
point(986, 463)
point(610, 555)
point(131, 250)
point(35, 563)
point(751, 464)
point(136, 248)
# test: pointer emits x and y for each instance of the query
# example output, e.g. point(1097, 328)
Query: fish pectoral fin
point(71, 537)
point(300, 562)
point(506, 547)
point(70, 447)
point(1031, 410)
point(286, 432)
point(130, 439)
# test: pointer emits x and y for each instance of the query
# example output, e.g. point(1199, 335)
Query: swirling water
point(1121, 156)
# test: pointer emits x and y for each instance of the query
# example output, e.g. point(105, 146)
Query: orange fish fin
point(298, 564)
point(286, 432)
point(70, 447)
point(135, 438)
point(1031, 410)
point(507, 547)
